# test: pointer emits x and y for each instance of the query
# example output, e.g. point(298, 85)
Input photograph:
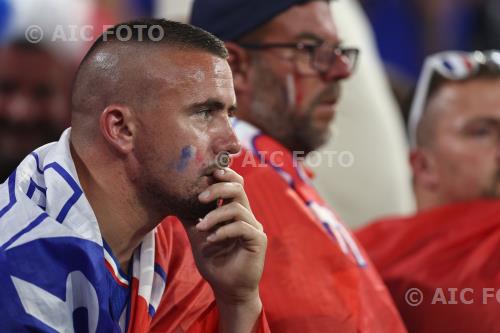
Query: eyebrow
point(213, 104)
point(484, 120)
point(313, 37)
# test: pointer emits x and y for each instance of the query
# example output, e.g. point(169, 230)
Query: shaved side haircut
point(113, 70)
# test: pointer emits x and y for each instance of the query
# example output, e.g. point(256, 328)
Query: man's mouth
point(208, 173)
point(325, 110)
point(329, 97)
point(209, 170)
point(329, 101)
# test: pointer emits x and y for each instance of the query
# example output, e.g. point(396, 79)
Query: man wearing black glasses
point(287, 61)
point(441, 264)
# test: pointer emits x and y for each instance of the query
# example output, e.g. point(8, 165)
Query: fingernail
point(204, 195)
point(211, 237)
point(199, 225)
point(220, 172)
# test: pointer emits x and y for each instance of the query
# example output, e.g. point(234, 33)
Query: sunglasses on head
point(451, 66)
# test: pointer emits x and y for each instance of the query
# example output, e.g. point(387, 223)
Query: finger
point(228, 175)
point(230, 212)
point(233, 191)
point(238, 229)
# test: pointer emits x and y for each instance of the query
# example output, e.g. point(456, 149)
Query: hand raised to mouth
point(229, 245)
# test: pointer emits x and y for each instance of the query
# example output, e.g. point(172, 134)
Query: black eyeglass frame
point(351, 53)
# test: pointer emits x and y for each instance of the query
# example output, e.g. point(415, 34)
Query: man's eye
point(480, 131)
point(205, 113)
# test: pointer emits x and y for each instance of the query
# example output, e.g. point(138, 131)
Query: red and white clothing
point(316, 277)
point(188, 303)
point(441, 265)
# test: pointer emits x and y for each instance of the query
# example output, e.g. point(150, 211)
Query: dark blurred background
point(406, 31)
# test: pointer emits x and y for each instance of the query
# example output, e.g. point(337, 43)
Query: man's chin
point(189, 213)
point(497, 192)
point(493, 192)
point(320, 138)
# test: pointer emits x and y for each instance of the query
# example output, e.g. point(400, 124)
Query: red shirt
point(188, 303)
point(451, 254)
point(316, 277)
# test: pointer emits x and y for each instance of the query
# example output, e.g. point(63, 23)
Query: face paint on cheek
point(290, 90)
point(198, 157)
point(294, 93)
point(185, 156)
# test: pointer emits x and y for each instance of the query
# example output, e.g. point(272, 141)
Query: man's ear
point(117, 126)
point(239, 62)
point(424, 169)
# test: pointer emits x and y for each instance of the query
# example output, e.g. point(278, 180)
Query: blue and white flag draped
point(56, 273)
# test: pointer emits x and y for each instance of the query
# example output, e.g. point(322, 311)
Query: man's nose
point(226, 138)
point(339, 70)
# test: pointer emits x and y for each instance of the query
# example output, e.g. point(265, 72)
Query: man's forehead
point(169, 64)
point(218, 73)
point(192, 68)
point(474, 98)
point(476, 91)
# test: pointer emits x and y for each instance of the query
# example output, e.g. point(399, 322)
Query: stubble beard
point(271, 111)
point(493, 190)
point(165, 199)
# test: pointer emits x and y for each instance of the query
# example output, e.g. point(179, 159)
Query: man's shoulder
point(432, 233)
point(41, 224)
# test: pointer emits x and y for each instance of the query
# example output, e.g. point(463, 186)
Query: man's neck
point(122, 221)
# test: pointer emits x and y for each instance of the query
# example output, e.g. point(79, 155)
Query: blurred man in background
point(441, 265)
point(34, 100)
point(287, 62)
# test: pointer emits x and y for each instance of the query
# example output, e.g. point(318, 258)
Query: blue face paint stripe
point(186, 155)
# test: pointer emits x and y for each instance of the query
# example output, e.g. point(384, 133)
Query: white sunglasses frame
point(467, 64)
